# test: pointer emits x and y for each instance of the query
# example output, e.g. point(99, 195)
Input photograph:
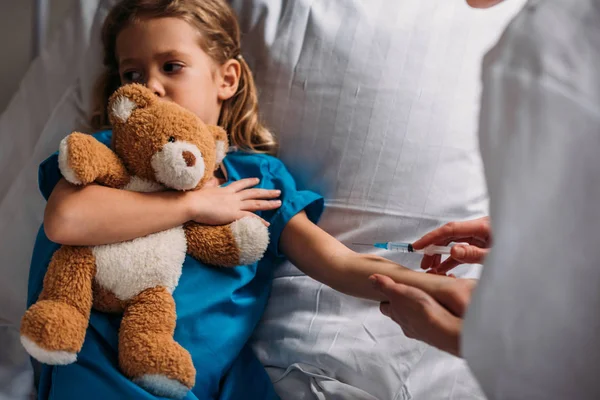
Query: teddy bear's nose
point(190, 159)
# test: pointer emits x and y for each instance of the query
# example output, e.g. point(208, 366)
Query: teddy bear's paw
point(156, 363)
point(252, 239)
point(64, 156)
point(53, 332)
point(162, 386)
point(50, 357)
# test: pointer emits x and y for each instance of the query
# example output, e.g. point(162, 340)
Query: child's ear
point(128, 98)
point(221, 142)
point(230, 73)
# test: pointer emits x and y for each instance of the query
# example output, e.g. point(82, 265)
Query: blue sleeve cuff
point(312, 203)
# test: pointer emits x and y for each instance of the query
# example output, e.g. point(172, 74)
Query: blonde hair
point(220, 39)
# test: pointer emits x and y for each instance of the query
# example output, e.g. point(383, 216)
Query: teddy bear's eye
point(171, 139)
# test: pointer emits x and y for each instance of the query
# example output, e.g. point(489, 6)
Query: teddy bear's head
point(159, 141)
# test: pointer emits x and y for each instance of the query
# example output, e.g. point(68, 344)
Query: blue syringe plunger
point(404, 247)
point(407, 247)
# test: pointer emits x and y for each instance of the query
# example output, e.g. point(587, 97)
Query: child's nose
point(156, 86)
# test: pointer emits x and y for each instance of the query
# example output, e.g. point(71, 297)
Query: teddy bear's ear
point(221, 142)
point(128, 98)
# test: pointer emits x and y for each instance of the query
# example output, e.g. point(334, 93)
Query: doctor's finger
point(431, 261)
point(397, 293)
point(478, 228)
point(448, 265)
point(462, 255)
point(385, 309)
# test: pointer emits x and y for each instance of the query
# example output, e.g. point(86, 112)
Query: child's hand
point(214, 205)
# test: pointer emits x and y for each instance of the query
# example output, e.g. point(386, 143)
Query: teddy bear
point(156, 145)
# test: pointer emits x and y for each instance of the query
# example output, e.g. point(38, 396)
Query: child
point(188, 52)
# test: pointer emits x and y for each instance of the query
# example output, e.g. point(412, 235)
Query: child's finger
point(243, 184)
point(260, 205)
point(251, 194)
point(249, 214)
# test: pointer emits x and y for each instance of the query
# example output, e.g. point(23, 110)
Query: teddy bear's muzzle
point(190, 159)
point(179, 165)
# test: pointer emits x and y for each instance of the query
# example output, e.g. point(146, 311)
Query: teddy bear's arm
point(83, 159)
point(214, 245)
point(242, 242)
point(221, 142)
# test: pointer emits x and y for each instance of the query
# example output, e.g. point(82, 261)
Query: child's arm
point(325, 259)
point(95, 215)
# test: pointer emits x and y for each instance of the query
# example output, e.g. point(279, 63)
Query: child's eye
point(132, 76)
point(172, 67)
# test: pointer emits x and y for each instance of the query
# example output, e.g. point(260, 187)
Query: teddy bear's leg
point(239, 243)
point(148, 354)
point(53, 329)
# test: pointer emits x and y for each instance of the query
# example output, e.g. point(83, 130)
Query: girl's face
point(165, 55)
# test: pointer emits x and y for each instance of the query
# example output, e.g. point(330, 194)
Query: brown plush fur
point(106, 301)
point(58, 321)
point(156, 123)
point(60, 317)
point(212, 245)
point(92, 161)
point(146, 344)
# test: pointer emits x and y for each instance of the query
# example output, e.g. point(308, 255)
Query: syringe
point(403, 247)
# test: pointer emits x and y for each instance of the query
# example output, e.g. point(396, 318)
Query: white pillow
point(375, 105)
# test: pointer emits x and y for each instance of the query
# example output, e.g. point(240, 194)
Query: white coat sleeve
point(532, 330)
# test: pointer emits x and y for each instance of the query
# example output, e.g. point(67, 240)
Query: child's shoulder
point(241, 159)
point(254, 164)
point(103, 136)
point(252, 157)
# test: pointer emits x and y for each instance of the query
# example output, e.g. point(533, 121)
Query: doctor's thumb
point(468, 254)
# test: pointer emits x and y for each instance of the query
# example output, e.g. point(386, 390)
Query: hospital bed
point(375, 105)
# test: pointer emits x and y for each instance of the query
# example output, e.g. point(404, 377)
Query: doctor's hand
point(477, 233)
point(434, 318)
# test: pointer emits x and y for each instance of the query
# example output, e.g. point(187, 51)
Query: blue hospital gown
point(217, 308)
